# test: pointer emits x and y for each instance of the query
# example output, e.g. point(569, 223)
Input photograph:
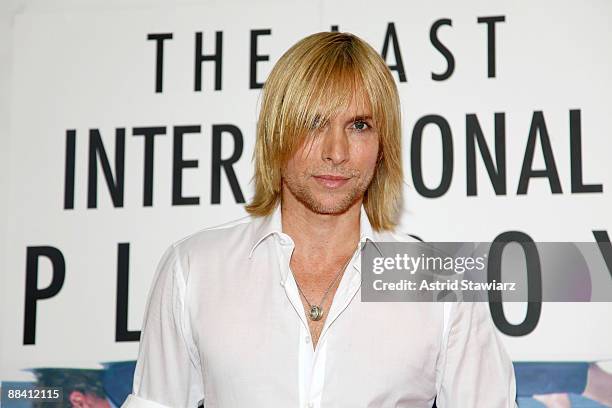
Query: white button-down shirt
point(225, 325)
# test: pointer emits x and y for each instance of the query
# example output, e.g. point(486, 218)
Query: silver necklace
point(316, 311)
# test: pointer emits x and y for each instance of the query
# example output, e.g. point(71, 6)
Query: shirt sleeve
point(168, 371)
point(474, 369)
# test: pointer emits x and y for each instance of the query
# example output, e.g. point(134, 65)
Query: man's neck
point(327, 236)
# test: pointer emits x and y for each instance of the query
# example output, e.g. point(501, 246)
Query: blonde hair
point(310, 83)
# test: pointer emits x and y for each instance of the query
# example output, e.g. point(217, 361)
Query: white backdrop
point(78, 70)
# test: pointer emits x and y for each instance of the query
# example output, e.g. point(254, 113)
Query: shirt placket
point(312, 363)
point(305, 349)
point(348, 287)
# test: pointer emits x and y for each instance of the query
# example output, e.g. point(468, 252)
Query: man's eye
point(317, 123)
point(360, 125)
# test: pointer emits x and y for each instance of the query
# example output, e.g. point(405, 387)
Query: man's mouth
point(331, 181)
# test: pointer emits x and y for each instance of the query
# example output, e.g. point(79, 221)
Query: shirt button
point(307, 339)
point(310, 405)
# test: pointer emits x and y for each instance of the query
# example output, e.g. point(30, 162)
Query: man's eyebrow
point(360, 117)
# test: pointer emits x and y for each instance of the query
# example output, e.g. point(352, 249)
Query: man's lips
point(331, 181)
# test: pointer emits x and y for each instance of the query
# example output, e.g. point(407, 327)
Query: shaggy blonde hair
point(316, 78)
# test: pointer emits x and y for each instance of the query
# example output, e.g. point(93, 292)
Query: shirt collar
point(265, 226)
point(272, 224)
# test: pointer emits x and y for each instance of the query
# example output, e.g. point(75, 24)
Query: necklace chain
point(316, 311)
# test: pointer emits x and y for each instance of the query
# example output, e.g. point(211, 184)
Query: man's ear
point(77, 399)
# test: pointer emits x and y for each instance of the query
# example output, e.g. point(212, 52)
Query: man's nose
point(335, 147)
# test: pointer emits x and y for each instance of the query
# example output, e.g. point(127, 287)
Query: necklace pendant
point(316, 313)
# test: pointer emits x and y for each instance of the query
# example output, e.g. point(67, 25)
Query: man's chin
point(324, 202)
point(330, 207)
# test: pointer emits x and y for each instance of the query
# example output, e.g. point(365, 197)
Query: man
point(265, 311)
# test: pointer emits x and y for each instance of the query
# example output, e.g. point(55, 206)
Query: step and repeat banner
point(132, 128)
